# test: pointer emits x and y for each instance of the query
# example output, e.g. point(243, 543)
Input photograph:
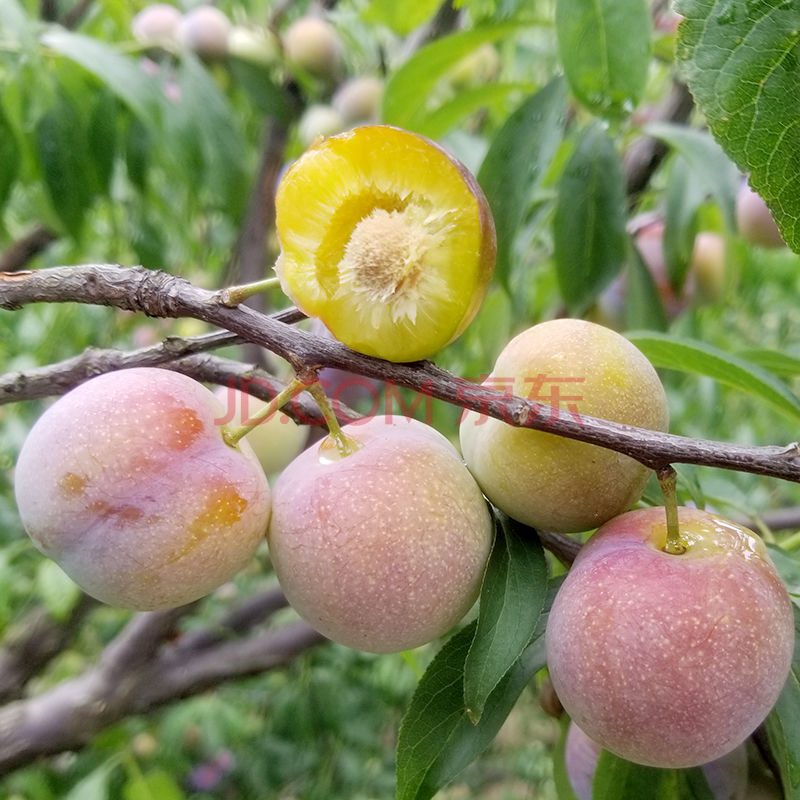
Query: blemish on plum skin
point(72, 485)
point(223, 508)
point(185, 426)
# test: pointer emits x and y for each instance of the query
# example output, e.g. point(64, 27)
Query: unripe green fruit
point(383, 549)
point(312, 44)
point(205, 31)
point(670, 660)
point(754, 219)
point(156, 24)
point(276, 440)
point(548, 481)
point(127, 483)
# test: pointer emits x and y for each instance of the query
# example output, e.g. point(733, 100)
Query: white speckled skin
point(547, 481)
point(384, 549)
point(127, 484)
point(670, 660)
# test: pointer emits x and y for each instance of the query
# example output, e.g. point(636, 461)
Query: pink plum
point(127, 483)
point(754, 219)
point(382, 549)
point(670, 660)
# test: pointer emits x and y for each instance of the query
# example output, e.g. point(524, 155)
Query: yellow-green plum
point(358, 99)
point(382, 549)
point(726, 776)
point(127, 483)
point(548, 481)
point(313, 44)
point(276, 440)
point(670, 660)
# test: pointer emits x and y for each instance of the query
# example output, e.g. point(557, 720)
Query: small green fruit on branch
point(162, 295)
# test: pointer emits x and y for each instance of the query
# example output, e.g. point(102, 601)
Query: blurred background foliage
point(119, 151)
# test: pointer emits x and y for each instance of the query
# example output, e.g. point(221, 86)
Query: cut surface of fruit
point(387, 239)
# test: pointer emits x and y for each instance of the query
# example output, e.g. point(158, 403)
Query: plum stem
point(235, 295)
point(344, 444)
point(233, 437)
point(668, 480)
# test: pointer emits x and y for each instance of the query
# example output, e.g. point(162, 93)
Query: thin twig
point(162, 295)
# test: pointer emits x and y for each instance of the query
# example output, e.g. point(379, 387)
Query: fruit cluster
point(667, 643)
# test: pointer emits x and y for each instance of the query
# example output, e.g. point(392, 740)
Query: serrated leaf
point(604, 46)
point(589, 237)
point(9, 158)
point(122, 74)
point(783, 725)
point(739, 59)
point(519, 155)
point(688, 355)
point(512, 599)
point(707, 161)
point(437, 740)
point(407, 90)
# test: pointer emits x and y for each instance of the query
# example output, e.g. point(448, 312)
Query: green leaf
point(9, 158)
point(563, 785)
point(643, 306)
point(122, 74)
point(466, 102)
point(688, 355)
point(155, 785)
point(95, 786)
point(782, 364)
point(707, 161)
point(405, 98)
point(783, 725)
point(684, 196)
point(403, 17)
point(589, 237)
point(57, 590)
point(102, 138)
point(437, 739)
point(739, 58)
point(518, 158)
point(604, 46)
point(512, 599)
point(263, 92)
point(66, 165)
point(616, 778)
point(209, 118)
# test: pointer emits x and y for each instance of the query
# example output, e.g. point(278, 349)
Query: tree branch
point(158, 294)
point(142, 669)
